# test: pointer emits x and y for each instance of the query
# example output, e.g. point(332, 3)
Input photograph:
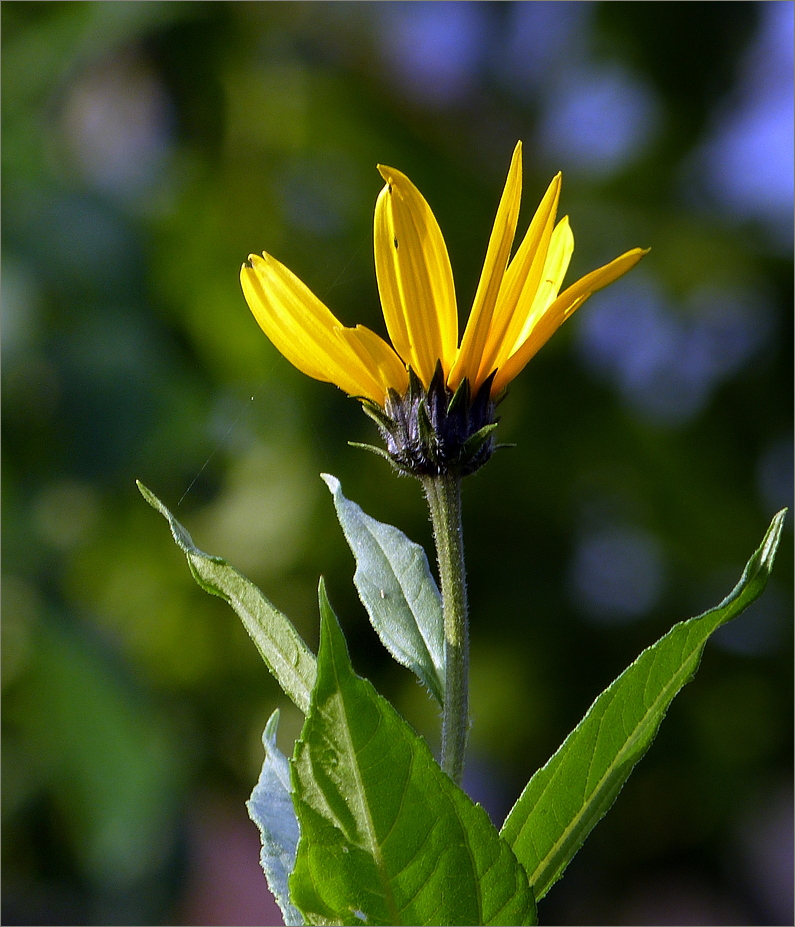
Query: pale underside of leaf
point(396, 587)
point(271, 809)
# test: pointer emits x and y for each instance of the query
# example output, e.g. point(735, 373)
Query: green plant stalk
point(444, 501)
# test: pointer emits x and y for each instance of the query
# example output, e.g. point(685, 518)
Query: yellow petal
point(564, 306)
point(532, 307)
point(378, 357)
point(522, 278)
point(499, 249)
point(302, 328)
point(415, 280)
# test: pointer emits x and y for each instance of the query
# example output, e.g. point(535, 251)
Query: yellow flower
point(517, 306)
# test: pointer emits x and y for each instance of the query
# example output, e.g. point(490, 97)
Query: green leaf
point(280, 645)
point(396, 587)
point(271, 809)
point(386, 836)
point(566, 798)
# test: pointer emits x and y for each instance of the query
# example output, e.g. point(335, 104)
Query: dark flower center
point(437, 432)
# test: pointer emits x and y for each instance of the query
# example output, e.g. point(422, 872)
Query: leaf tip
point(159, 507)
point(769, 546)
point(332, 638)
point(332, 482)
point(326, 611)
point(777, 525)
point(269, 734)
point(150, 497)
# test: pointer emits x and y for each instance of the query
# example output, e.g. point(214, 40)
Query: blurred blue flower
point(598, 120)
point(433, 50)
point(616, 574)
point(117, 121)
point(747, 160)
point(666, 363)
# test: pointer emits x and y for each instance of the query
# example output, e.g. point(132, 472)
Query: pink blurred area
point(225, 884)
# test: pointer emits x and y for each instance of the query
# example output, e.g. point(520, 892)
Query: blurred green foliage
point(147, 149)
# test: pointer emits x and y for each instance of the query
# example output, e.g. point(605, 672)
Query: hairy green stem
point(444, 500)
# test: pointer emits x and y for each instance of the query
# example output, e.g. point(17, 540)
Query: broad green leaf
point(566, 798)
point(271, 809)
point(386, 836)
point(396, 587)
point(280, 645)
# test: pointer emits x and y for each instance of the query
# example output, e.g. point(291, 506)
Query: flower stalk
point(444, 501)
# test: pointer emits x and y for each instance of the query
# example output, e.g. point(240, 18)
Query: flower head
point(517, 307)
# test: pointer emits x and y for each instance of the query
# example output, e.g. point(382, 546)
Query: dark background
point(147, 149)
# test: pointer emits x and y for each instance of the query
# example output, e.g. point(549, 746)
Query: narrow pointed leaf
point(396, 587)
point(566, 798)
point(386, 836)
point(378, 451)
point(280, 645)
point(478, 439)
point(271, 809)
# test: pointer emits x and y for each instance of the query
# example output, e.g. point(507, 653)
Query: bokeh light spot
point(617, 573)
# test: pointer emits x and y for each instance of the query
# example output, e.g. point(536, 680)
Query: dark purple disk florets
point(436, 432)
